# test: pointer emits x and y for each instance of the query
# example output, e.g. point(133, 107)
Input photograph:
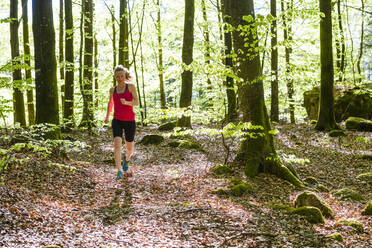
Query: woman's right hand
point(107, 120)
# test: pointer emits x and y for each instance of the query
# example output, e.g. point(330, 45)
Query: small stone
point(169, 126)
point(311, 214)
point(311, 199)
point(349, 194)
point(368, 209)
point(152, 139)
point(187, 144)
point(241, 189)
point(336, 236)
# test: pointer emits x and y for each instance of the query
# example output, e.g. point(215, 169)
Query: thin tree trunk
point(68, 110)
point(352, 47)
point(95, 71)
point(160, 63)
point(257, 152)
point(45, 62)
point(187, 58)
point(342, 41)
point(87, 84)
point(220, 19)
point(114, 51)
point(274, 113)
point(326, 117)
point(61, 57)
point(361, 45)
point(81, 47)
point(18, 98)
point(207, 47)
point(143, 81)
point(27, 60)
point(124, 35)
point(232, 114)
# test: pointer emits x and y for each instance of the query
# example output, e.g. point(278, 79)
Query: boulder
point(169, 126)
point(152, 139)
point(311, 199)
point(311, 102)
point(336, 236)
point(356, 225)
point(187, 144)
point(368, 209)
point(311, 214)
point(348, 194)
point(360, 124)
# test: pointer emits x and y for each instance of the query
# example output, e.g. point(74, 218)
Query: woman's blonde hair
point(128, 75)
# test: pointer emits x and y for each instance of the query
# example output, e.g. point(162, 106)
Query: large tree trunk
point(207, 47)
point(45, 62)
point(87, 84)
point(27, 60)
point(61, 57)
point(257, 152)
point(361, 44)
point(18, 99)
point(326, 117)
point(187, 57)
point(68, 110)
point(274, 113)
point(287, 20)
point(124, 35)
point(232, 114)
point(160, 63)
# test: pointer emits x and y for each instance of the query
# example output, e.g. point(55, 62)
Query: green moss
point(352, 223)
point(251, 167)
point(152, 139)
point(235, 181)
point(174, 143)
point(368, 209)
point(311, 180)
point(363, 156)
point(220, 191)
point(279, 206)
point(360, 124)
point(313, 200)
point(348, 194)
point(240, 189)
point(167, 126)
point(187, 144)
point(322, 188)
point(222, 169)
point(336, 133)
point(336, 236)
point(311, 214)
point(367, 177)
point(313, 122)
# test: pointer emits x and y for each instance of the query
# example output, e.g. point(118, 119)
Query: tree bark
point(274, 113)
point(18, 98)
point(232, 114)
point(114, 52)
point(124, 35)
point(257, 152)
point(61, 57)
point(95, 72)
point(68, 110)
point(187, 58)
point(207, 47)
point(87, 84)
point(326, 117)
point(361, 45)
point(27, 60)
point(160, 63)
point(341, 67)
point(45, 62)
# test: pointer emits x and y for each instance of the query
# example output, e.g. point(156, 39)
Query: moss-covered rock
point(336, 133)
point(187, 144)
point(363, 156)
point(152, 139)
point(174, 143)
point(356, 225)
point(311, 181)
point(360, 124)
point(368, 209)
point(367, 177)
point(220, 191)
point(336, 236)
point(311, 102)
point(311, 214)
point(222, 169)
point(279, 206)
point(322, 188)
point(311, 199)
point(348, 194)
point(169, 126)
point(240, 189)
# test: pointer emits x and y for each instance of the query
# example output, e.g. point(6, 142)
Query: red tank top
point(123, 112)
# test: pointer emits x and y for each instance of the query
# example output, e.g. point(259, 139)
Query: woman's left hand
point(123, 101)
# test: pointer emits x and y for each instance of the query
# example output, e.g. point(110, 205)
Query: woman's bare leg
point(117, 152)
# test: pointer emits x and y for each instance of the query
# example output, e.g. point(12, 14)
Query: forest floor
point(169, 200)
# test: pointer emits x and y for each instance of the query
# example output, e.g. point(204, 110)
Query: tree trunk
point(114, 52)
point(124, 35)
point(45, 62)
point(27, 60)
point(274, 113)
point(361, 45)
point(87, 84)
point(341, 67)
point(61, 57)
point(187, 58)
point(207, 47)
point(18, 99)
point(95, 71)
point(81, 47)
point(232, 114)
point(326, 117)
point(287, 20)
point(257, 152)
point(68, 110)
point(160, 63)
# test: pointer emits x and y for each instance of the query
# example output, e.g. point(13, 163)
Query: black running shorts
point(128, 126)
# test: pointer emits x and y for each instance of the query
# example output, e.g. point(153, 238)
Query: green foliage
point(63, 167)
